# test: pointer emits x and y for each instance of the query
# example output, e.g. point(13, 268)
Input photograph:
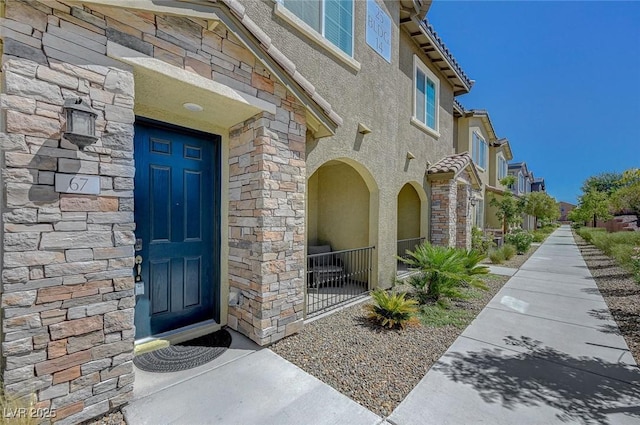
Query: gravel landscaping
point(620, 292)
point(373, 366)
point(113, 418)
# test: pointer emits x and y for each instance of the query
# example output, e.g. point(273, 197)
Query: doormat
point(185, 355)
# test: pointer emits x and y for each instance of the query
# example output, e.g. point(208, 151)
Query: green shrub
point(623, 254)
point(539, 236)
point(392, 310)
point(443, 271)
point(420, 284)
point(437, 316)
point(472, 264)
point(496, 256)
point(624, 247)
point(479, 242)
point(521, 239)
point(587, 233)
point(508, 251)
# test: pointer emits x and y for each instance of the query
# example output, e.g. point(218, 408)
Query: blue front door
point(177, 214)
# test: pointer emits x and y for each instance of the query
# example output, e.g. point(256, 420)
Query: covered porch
point(340, 250)
point(412, 222)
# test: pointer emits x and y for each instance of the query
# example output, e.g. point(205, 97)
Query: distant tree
point(509, 208)
point(627, 197)
point(542, 206)
point(592, 205)
point(604, 182)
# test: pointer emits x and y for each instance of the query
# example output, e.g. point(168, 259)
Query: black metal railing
point(405, 245)
point(336, 277)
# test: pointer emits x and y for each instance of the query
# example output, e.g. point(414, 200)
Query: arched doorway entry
point(411, 221)
point(340, 260)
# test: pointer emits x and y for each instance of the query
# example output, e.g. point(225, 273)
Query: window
point(331, 18)
point(426, 91)
point(502, 167)
point(520, 182)
point(479, 151)
point(479, 219)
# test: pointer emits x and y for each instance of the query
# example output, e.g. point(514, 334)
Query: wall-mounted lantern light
point(410, 156)
point(81, 123)
point(473, 201)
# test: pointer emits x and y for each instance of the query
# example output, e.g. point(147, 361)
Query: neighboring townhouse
point(474, 133)
point(538, 185)
point(499, 156)
point(521, 187)
point(565, 209)
point(392, 81)
point(168, 166)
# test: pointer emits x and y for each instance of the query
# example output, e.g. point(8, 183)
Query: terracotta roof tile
point(454, 63)
point(451, 164)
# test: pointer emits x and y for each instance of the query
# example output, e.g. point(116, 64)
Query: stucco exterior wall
point(490, 218)
point(342, 208)
point(409, 214)
point(466, 127)
point(312, 210)
point(371, 96)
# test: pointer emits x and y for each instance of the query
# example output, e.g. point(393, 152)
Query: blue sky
point(561, 80)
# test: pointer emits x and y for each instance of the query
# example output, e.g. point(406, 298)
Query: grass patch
point(436, 316)
point(496, 256)
point(623, 247)
point(17, 410)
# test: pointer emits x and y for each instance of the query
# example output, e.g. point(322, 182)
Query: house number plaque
point(77, 183)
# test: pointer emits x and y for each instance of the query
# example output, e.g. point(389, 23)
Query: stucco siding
point(380, 96)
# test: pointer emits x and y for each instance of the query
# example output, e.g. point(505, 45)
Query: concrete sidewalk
point(246, 385)
point(544, 351)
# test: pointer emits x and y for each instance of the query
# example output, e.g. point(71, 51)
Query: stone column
point(444, 194)
point(267, 223)
point(67, 286)
point(463, 217)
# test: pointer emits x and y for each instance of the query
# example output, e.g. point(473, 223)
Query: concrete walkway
point(544, 351)
point(246, 385)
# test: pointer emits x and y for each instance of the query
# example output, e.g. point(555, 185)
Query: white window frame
point(520, 182)
point(418, 64)
point(298, 22)
point(479, 154)
point(501, 171)
point(479, 213)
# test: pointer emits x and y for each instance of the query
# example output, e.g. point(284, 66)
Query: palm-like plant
point(392, 310)
point(443, 270)
point(474, 268)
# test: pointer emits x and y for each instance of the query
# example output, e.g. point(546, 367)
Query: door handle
point(139, 284)
point(138, 261)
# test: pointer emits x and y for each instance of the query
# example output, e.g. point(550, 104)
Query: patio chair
point(324, 269)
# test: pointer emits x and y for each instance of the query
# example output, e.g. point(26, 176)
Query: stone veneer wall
point(267, 223)
point(444, 194)
point(463, 216)
point(67, 259)
point(67, 285)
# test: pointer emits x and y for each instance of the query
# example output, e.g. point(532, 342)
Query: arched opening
point(411, 222)
point(338, 207)
point(340, 263)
